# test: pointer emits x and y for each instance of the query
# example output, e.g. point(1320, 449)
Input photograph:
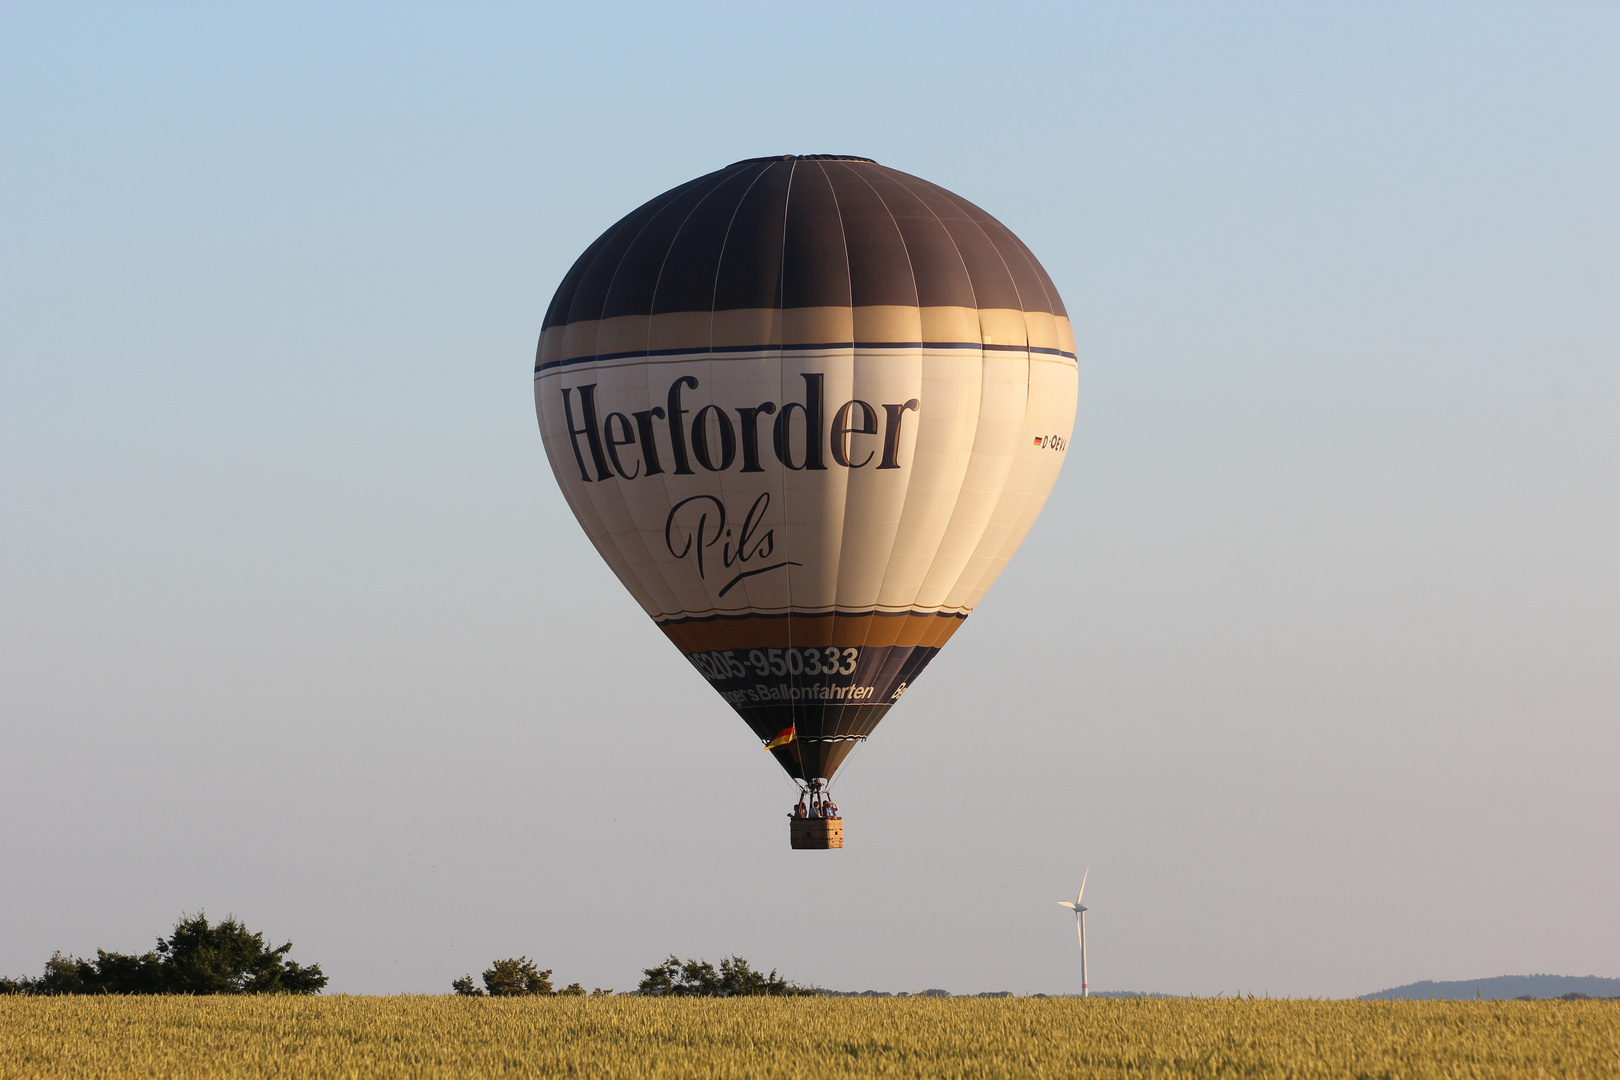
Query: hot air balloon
point(807, 407)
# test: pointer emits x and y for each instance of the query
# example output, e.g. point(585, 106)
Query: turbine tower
point(1079, 910)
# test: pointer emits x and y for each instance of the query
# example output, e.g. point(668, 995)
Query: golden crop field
point(320, 1037)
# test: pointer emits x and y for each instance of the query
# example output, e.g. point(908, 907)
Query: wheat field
point(635, 1038)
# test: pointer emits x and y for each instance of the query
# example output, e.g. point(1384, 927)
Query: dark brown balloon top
point(798, 232)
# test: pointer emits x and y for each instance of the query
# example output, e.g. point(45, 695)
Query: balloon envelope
point(807, 408)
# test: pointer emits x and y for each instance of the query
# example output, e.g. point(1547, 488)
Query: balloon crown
point(803, 157)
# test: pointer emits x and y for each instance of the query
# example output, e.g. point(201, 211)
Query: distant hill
point(1503, 987)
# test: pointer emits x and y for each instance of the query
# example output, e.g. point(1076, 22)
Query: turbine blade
point(1083, 877)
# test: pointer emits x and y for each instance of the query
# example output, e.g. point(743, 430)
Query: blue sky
point(1312, 656)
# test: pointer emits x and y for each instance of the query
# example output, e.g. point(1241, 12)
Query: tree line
point(199, 957)
point(734, 977)
point(518, 977)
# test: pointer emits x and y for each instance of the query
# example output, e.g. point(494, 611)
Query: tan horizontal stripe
point(804, 631)
point(769, 327)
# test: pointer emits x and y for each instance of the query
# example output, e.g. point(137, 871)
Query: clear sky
point(1314, 656)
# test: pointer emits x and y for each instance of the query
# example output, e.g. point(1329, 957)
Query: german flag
point(783, 737)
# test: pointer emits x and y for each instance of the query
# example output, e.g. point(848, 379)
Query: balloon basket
point(816, 834)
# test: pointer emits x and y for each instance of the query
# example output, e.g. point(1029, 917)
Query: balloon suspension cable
point(860, 744)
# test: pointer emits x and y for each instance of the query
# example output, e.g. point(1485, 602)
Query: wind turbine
point(1079, 910)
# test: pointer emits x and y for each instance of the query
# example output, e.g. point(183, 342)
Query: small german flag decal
point(1037, 440)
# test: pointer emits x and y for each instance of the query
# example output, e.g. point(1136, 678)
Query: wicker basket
point(818, 833)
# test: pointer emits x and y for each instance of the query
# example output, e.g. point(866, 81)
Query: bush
point(516, 978)
point(507, 978)
point(197, 958)
point(699, 978)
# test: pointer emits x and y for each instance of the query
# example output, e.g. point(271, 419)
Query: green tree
point(226, 958)
point(516, 978)
point(197, 958)
point(699, 978)
point(519, 977)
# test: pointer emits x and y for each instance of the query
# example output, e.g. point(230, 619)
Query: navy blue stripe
point(571, 361)
point(681, 620)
